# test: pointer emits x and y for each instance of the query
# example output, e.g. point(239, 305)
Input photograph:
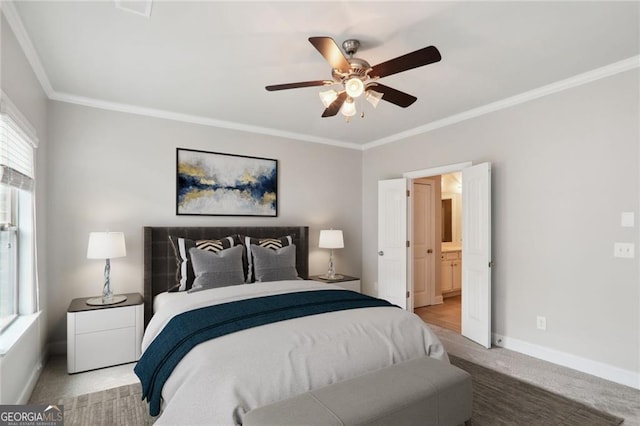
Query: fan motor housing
point(351, 46)
point(359, 68)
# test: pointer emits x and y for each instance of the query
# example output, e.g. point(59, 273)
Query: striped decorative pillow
point(213, 245)
point(271, 243)
point(185, 274)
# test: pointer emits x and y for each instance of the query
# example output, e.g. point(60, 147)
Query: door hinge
point(491, 264)
point(408, 244)
point(408, 193)
point(407, 295)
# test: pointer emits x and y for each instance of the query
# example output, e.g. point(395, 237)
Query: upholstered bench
point(423, 391)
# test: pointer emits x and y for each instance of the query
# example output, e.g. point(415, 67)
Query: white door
point(476, 253)
point(392, 241)
point(422, 244)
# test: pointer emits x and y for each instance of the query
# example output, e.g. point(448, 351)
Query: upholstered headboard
point(160, 261)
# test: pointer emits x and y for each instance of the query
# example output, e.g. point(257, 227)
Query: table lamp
point(331, 239)
point(106, 245)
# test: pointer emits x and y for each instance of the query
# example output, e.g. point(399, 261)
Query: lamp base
point(98, 301)
point(336, 277)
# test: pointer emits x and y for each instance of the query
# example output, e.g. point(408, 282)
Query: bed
point(218, 381)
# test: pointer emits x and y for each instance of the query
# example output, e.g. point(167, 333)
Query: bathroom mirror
point(451, 217)
point(447, 230)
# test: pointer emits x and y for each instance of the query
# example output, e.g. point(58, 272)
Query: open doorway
point(395, 267)
point(437, 249)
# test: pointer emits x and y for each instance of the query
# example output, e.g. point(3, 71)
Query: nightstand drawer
point(103, 336)
point(106, 319)
point(111, 347)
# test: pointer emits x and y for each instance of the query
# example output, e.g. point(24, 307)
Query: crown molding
point(11, 110)
point(8, 8)
point(13, 18)
point(194, 119)
point(577, 80)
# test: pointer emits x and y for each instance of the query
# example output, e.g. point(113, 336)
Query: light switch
point(627, 219)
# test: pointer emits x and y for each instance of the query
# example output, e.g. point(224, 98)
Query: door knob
point(380, 253)
point(429, 251)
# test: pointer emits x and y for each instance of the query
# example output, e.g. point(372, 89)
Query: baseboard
point(30, 385)
point(438, 300)
point(33, 379)
point(589, 366)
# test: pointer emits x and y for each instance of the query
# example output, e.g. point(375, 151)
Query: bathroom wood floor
point(446, 315)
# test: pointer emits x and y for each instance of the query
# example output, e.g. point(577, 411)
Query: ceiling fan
point(357, 79)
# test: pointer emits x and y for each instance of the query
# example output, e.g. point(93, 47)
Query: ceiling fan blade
point(335, 105)
point(331, 52)
point(424, 56)
point(298, 85)
point(394, 96)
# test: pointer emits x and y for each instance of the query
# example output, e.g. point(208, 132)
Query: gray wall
point(116, 171)
point(564, 167)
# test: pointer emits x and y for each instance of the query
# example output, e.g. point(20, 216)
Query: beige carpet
point(497, 400)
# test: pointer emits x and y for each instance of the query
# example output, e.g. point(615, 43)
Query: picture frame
point(219, 184)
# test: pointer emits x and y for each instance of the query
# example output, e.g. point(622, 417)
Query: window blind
point(16, 155)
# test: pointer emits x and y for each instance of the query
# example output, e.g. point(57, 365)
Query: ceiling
point(209, 62)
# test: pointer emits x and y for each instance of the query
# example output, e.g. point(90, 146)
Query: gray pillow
point(272, 243)
point(220, 269)
point(181, 246)
point(274, 265)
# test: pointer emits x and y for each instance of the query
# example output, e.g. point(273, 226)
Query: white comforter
point(222, 379)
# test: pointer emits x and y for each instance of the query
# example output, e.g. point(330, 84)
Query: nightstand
point(346, 282)
point(101, 336)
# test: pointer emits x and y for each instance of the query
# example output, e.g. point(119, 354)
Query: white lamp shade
point(106, 245)
point(331, 239)
point(354, 87)
point(327, 97)
point(373, 97)
point(348, 108)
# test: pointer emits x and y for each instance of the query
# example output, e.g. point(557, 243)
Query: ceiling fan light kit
point(327, 97)
point(373, 97)
point(356, 77)
point(354, 87)
point(348, 108)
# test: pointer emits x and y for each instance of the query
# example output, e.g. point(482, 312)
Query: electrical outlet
point(626, 250)
point(541, 323)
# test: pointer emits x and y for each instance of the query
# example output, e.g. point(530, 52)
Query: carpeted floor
point(497, 400)
point(118, 406)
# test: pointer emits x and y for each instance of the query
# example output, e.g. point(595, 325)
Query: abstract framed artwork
point(217, 184)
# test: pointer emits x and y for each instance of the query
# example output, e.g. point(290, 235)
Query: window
point(17, 242)
point(8, 257)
